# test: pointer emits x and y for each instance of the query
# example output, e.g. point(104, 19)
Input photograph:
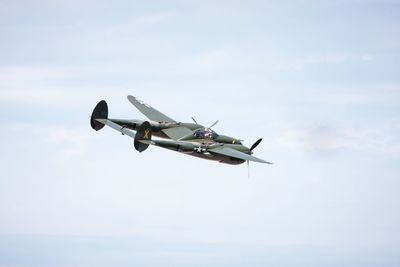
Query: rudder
point(99, 112)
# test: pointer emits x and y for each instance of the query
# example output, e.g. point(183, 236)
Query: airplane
point(188, 138)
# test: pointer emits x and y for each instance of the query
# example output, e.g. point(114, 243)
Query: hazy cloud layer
point(318, 80)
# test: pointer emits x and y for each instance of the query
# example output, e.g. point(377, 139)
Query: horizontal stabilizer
point(117, 127)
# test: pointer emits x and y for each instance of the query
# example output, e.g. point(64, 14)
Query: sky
point(319, 81)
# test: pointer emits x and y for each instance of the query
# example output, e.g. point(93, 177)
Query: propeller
point(194, 120)
point(248, 169)
point(256, 144)
point(212, 125)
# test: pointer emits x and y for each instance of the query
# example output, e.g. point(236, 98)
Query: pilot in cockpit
point(205, 133)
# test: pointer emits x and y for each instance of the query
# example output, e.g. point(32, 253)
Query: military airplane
point(188, 138)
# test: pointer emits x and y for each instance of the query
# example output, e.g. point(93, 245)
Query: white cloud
point(48, 86)
point(154, 18)
point(67, 141)
point(324, 139)
point(61, 86)
point(212, 61)
point(27, 84)
point(327, 58)
point(72, 141)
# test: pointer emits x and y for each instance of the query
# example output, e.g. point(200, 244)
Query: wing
point(236, 154)
point(174, 132)
point(149, 112)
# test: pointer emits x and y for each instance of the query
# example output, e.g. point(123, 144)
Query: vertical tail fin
point(143, 134)
point(99, 112)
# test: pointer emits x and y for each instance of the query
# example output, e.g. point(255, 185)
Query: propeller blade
point(194, 121)
point(256, 144)
point(213, 124)
point(248, 169)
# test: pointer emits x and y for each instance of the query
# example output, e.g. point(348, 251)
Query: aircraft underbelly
point(204, 155)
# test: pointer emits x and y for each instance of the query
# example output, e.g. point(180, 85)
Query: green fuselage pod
point(196, 131)
point(156, 126)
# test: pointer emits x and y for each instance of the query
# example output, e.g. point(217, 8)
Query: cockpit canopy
point(205, 133)
point(209, 134)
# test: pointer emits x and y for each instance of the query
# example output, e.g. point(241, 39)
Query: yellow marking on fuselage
point(146, 134)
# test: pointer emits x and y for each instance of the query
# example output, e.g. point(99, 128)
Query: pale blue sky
point(318, 80)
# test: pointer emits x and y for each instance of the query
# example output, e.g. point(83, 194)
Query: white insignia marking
point(143, 103)
point(199, 149)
